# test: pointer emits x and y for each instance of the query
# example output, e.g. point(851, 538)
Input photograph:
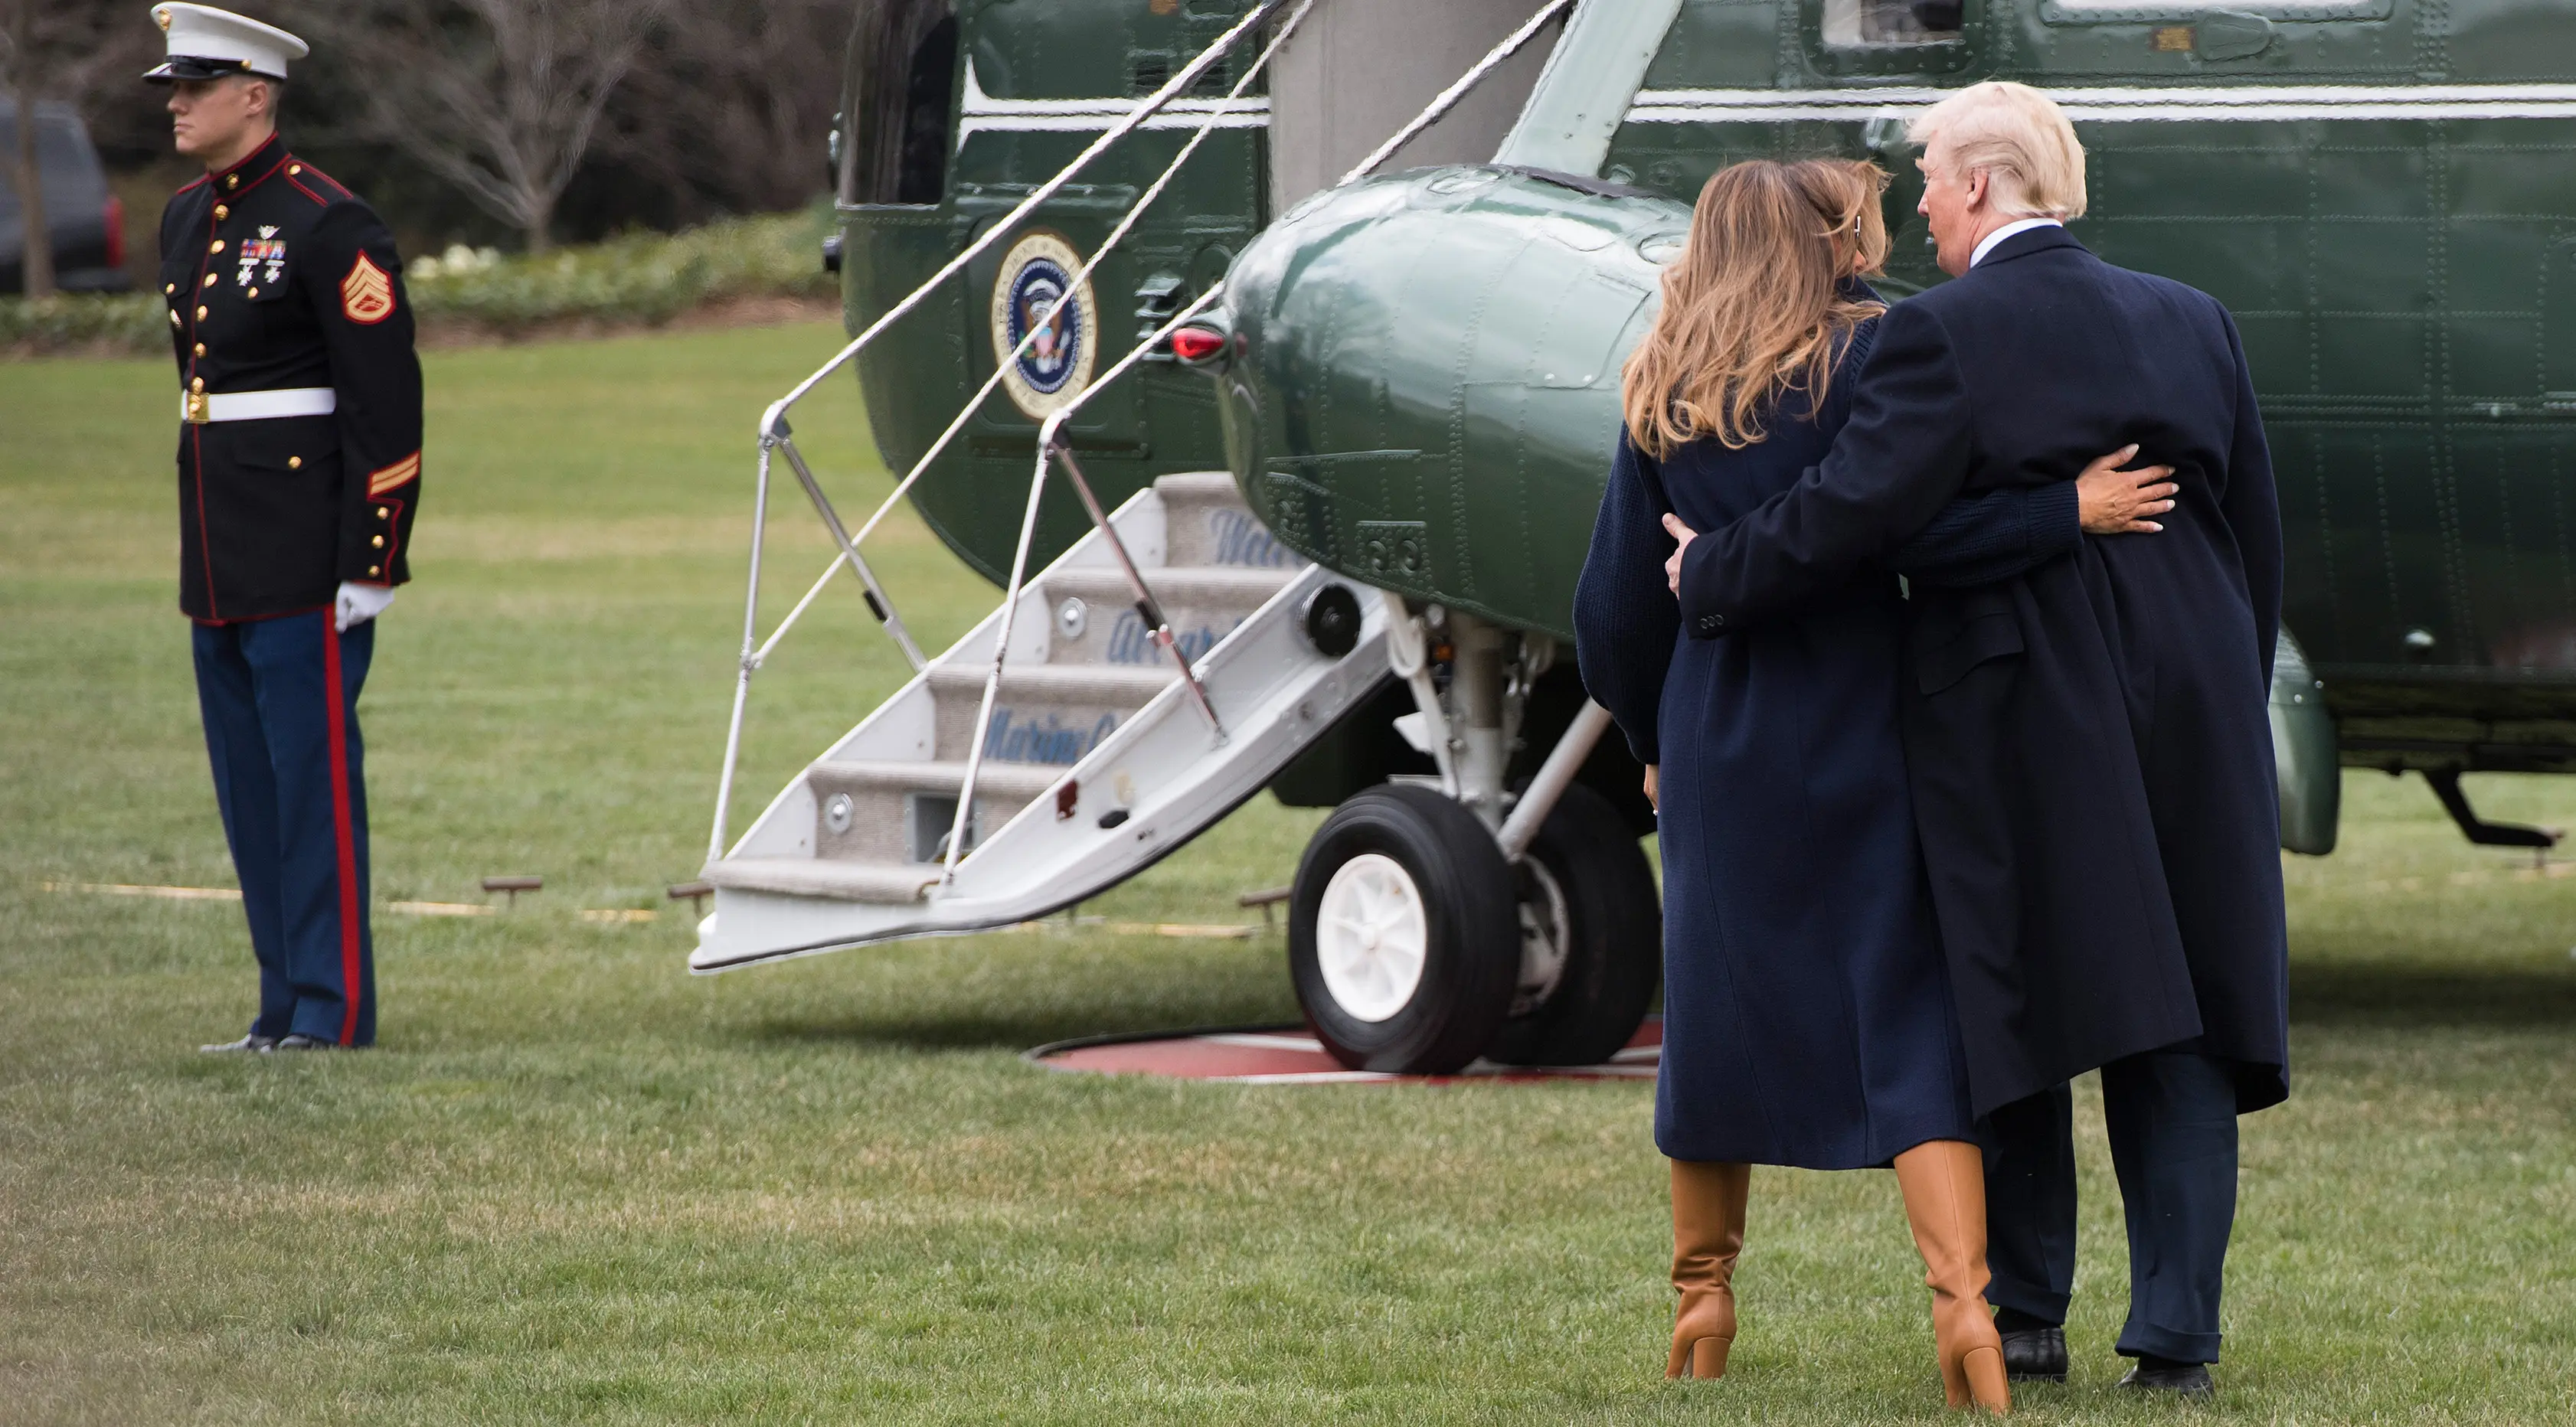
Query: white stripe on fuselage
point(2268, 103)
point(2242, 104)
point(980, 110)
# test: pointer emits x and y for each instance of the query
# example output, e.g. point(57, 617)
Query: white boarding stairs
point(1097, 761)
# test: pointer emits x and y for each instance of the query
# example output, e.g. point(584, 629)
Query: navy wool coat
point(2090, 752)
point(1807, 1012)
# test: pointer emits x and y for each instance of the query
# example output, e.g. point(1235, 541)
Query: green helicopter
point(1409, 379)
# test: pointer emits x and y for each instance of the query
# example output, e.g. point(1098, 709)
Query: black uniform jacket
point(279, 278)
point(2087, 741)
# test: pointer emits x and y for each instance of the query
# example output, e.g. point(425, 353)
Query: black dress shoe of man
point(301, 1041)
point(2160, 1375)
point(247, 1045)
point(2035, 1355)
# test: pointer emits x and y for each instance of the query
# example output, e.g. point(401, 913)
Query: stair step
point(996, 779)
point(1065, 683)
point(1204, 603)
point(1198, 486)
point(1248, 585)
point(899, 812)
point(1207, 523)
point(825, 877)
point(1045, 713)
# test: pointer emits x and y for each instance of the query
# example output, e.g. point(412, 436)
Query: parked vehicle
point(86, 220)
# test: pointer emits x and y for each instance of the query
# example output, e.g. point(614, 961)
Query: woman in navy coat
point(1808, 1018)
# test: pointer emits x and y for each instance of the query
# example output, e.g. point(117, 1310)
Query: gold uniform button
point(201, 315)
point(217, 247)
point(254, 292)
point(196, 383)
point(375, 569)
point(174, 320)
point(295, 463)
point(232, 180)
point(168, 288)
point(201, 347)
point(222, 213)
point(209, 282)
point(379, 542)
point(293, 169)
point(383, 514)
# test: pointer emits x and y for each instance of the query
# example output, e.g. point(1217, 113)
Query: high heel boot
point(1945, 1200)
point(1708, 1233)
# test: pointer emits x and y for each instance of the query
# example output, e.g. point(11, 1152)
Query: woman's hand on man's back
point(2112, 501)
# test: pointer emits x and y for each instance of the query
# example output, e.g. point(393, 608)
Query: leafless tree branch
point(501, 98)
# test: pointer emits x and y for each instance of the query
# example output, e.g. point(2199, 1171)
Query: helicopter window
point(1872, 24)
point(902, 91)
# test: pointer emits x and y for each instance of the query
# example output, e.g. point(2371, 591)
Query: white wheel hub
point(1372, 936)
point(1547, 936)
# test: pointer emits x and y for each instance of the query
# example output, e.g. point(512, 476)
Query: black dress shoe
point(2180, 1379)
point(253, 1044)
point(2035, 1355)
point(301, 1041)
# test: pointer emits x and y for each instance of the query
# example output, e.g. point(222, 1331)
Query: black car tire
point(1399, 841)
point(1614, 934)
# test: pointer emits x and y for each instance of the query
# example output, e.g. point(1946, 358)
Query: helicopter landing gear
point(1586, 887)
point(1401, 939)
point(1436, 920)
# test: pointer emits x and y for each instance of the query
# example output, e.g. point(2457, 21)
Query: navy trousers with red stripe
point(280, 700)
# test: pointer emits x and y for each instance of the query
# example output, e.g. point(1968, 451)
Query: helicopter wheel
point(1401, 936)
point(1592, 938)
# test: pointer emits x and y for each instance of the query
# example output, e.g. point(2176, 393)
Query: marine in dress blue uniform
point(299, 409)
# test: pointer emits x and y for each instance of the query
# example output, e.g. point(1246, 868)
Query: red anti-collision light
point(1197, 344)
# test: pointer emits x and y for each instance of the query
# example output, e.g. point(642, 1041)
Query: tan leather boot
point(1945, 1200)
point(1708, 1233)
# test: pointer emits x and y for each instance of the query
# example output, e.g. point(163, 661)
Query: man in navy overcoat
point(2087, 741)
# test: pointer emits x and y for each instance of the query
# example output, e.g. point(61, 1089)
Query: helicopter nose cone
point(1427, 371)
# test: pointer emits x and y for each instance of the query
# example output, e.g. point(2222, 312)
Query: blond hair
point(2019, 137)
point(1754, 307)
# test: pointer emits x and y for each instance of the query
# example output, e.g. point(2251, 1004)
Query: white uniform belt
point(204, 406)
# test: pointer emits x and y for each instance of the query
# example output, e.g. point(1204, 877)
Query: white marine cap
point(207, 43)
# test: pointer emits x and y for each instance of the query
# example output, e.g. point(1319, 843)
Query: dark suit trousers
point(2170, 1115)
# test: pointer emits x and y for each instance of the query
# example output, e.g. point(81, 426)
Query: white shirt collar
point(2022, 225)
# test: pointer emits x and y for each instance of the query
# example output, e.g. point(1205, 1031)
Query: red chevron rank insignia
point(366, 294)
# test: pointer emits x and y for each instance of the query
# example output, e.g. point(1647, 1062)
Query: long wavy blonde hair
point(1753, 308)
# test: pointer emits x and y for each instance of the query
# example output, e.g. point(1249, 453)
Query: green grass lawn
point(575, 1184)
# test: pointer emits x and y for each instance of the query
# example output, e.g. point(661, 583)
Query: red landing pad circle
point(1290, 1055)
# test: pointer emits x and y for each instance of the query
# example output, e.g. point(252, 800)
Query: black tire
point(1614, 935)
point(1470, 954)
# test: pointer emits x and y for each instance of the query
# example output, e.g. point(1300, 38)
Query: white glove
point(359, 603)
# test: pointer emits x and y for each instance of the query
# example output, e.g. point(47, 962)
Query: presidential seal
point(1035, 293)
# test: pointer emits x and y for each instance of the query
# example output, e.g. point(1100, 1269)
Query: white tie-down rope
point(1118, 234)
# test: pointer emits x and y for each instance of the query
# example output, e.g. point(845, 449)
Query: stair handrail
point(1050, 433)
point(1050, 444)
point(776, 436)
point(1117, 235)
